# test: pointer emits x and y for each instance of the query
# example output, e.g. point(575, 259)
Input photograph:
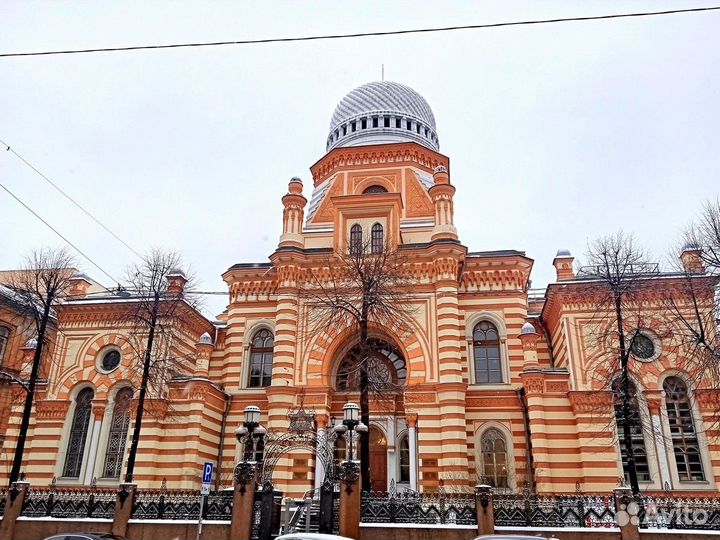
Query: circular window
point(643, 347)
point(110, 360)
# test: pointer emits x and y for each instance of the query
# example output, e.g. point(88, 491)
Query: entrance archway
point(378, 459)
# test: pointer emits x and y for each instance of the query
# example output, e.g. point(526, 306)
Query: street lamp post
point(349, 473)
point(250, 432)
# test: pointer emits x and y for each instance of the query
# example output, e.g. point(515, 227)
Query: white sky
point(556, 133)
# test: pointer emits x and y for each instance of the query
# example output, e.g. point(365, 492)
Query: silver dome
point(382, 112)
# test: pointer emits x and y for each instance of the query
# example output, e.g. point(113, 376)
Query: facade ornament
point(244, 474)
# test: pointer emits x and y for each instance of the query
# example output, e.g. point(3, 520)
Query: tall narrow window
point(117, 437)
point(78, 433)
point(494, 458)
point(356, 240)
point(636, 431)
point(4, 335)
point(261, 358)
point(404, 460)
point(486, 350)
point(377, 238)
point(685, 442)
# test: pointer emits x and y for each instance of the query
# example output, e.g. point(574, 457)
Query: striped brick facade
point(547, 403)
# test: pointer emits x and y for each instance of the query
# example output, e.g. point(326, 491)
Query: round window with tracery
point(643, 347)
point(110, 360)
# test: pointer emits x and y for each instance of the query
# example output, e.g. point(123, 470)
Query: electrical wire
point(53, 229)
point(364, 34)
point(68, 197)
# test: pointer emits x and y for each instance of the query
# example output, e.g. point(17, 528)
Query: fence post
point(124, 504)
point(484, 509)
point(350, 499)
point(626, 513)
point(14, 500)
point(241, 522)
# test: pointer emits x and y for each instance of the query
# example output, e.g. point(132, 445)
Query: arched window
point(385, 366)
point(356, 240)
point(486, 351)
point(4, 336)
point(261, 358)
point(117, 437)
point(78, 433)
point(404, 459)
point(374, 189)
point(377, 238)
point(684, 438)
point(494, 458)
point(636, 431)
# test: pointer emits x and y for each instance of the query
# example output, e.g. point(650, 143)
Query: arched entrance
point(378, 459)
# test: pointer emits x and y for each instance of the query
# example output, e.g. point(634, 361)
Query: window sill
point(490, 386)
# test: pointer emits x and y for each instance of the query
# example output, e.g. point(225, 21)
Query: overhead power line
point(365, 34)
point(53, 229)
point(69, 198)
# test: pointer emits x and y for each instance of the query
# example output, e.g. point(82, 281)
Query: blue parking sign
point(207, 473)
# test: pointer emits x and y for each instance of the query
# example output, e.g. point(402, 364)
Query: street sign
point(207, 473)
point(205, 489)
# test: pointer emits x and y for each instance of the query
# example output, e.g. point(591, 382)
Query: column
point(654, 404)
point(98, 412)
point(412, 443)
point(322, 422)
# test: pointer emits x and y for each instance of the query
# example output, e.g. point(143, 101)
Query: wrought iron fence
point(670, 512)
point(166, 504)
point(528, 510)
point(3, 495)
point(408, 506)
point(59, 502)
point(218, 505)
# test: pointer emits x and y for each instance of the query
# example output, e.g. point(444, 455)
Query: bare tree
point(158, 302)
point(364, 286)
point(617, 277)
point(39, 288)
point(696, 303)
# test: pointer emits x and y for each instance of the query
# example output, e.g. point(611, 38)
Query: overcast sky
point(556, 133)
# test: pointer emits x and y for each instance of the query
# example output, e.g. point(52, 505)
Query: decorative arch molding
point(325, 351)
point(495, 317)
point(253, 326)
point(276, 448)
point(361, 185)
point(85, 370)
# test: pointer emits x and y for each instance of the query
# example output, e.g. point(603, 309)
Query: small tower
point(203, 348)
point(563, 263)
point(442, 196)
point(529, 339)
point(691, 259)
point(293, 215)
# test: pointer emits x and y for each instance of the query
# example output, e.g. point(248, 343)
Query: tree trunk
point(626, 400)
point(30, 396)
point(364, 406)
point(143, 391)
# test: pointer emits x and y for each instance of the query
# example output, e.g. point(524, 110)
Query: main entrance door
point(378, 460)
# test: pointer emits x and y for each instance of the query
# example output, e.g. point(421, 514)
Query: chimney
point(563, 263)
point(691, 259)
point(79, 285)
point(176, 282)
